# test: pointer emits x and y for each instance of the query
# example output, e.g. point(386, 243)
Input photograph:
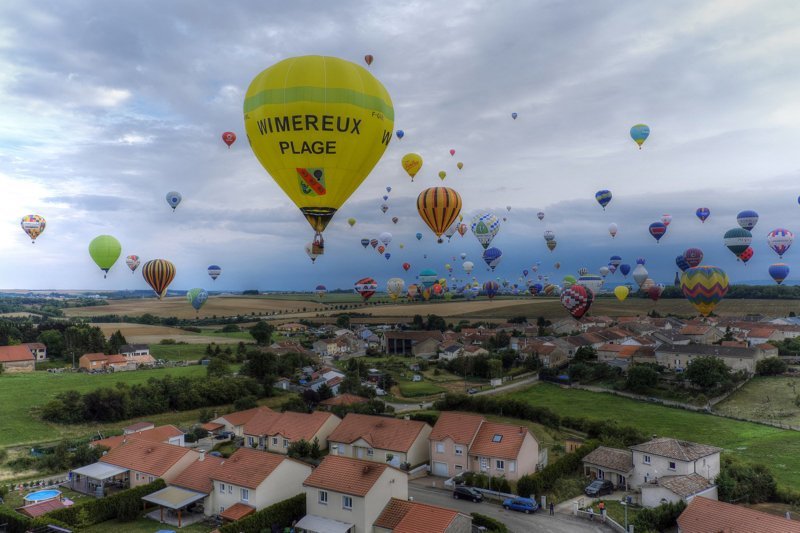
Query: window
point(497, 438)
point(370, 452)
point(221, 509)
point(245, 495)
point(222, 488)
point(137, 476)
point(274, 441)
point(672, 465)
point(646, 459)
point(230, 489)
point(285, 443)
point(347, 503)
point(251, 441)
point(512, 466)
point(459, 450)
point(500, 464)
point(323, 497)
point(484, 464)
point(440, 447)
point(459, 468)
point(151, 479)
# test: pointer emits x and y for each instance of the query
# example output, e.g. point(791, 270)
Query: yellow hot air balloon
point(412, 163)
point(442, 175)
point(439, 207)
point(621, 292)
point(460, 165)
point(351, 221)
point(318, 125)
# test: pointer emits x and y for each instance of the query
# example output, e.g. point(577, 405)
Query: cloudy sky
point(102, 112)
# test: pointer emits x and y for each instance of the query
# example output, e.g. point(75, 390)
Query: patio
point(177, 507)
point(98, 479)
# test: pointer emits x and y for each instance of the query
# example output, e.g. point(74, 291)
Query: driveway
point(540, 522)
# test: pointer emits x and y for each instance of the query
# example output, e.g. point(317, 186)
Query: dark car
point(472, 390)
point(598, 487)
point(523, 505)
point(467, 493)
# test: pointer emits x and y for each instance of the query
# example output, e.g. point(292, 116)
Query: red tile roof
point(458, 426)
point(94, 356)
point(116, 359)
point(158, 434)
point(343, 474)
point(703, 515)
point(237, 511)
point(510, 441)
point(412, 517)
point(154, 458)
point(11, 354)
point(344, 399)
point(198, 475)
point(248, 468)
point(291, 425)
point(378, 431)
point(138, 426)
point(38, 509)
point(240, 418)
point(211, 426)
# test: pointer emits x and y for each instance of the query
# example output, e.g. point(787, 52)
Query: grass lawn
point(765, 398)
point(777, 448)
point(180, 352)
point(19, 393)
point(143, 525)
point(616, 511)
point(412, 389)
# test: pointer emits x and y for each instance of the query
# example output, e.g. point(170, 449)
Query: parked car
point(472, 390)
point(598, 487)
point(467, 493)
point(523, 505)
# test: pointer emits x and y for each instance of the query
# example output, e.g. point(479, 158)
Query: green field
point(20, 393)
point(180, 352)
point(778, 448)
point(765, 398)
point(412, 389)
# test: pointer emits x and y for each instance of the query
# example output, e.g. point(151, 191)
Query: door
point(359, 452)
point(439, 469)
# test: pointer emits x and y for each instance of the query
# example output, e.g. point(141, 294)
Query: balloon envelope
point(603, 197)
point(33, 225)
point(214, 271)
point(366, 287)
point(779, 240)
point(704, 287)
point(173, 199)
point(621, 292)
point(412, 163)
point(229, 138)
point(133, 262)
point(439, 207)
point(159, 273)
point(490, 288)
point(779, 272)
point(485, 226)
point(577, 299)
point(657, 230)
point(747, 219)
point(640, 133)
point(703, 213)
point(400, 134)
point(693, 256)
point(492, 257)
point(105, 251)
point(737, 240)
point(197, 297)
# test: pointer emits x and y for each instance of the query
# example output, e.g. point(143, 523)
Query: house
point(701, 333)
point(138, 426)
point(345, 495)
point(704, 515)
point(609, 463)
point(167, 434)
point(274, 432)
point(451, 351)
point(669, 457)
point(234, 422)
point(146, 460)
point(473, 350)
point(194, 487)
point(102, 362)
point(463, 442)
point(678, 357)
point(292, 328)
point(129, 350)
point(119, 363)
point(38, 350)
point(670, 337)
point(416, 343)
point(672, 489)
point(282, 383)
point(381, 439)
point(17, 358)
point(550, 354)
point(408, 516)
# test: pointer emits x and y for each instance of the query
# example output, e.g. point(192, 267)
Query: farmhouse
point(416, 343)
point(134, 349)
point(678, 357)
point(17, 359)
point(38, 350)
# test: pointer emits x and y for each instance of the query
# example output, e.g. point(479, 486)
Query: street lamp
point(624, 504)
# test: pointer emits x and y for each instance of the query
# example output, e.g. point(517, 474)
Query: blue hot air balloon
point(514, 116)
point(364, 242)
point(703, 213)
point(603, 197)
point(214, 271)
point(387, 255)
point(197, 297)
point(525, 272)
point(779, 271)
point(625, 269)
point(657, 230)
point(640, 133)
point(492, 257)
point(681, 262)
point(419, 236)
point(641, 261)
point(385, 197)
point(400, 134)
point(747, 219)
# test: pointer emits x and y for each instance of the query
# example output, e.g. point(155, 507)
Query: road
point(402, 407)
point(540, 522)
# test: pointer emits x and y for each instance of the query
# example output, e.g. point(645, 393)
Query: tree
point(641, 378)
point(54, 340)
point(245, 402)
point(311, 397)
point(343, 321)
point(435, 322)
point(324, 392)
point(230, 328)
point(771, 366)
point(115, 342)
point(262, 333)
point(585, 353)
point(708, 372)
point(295, 403)
point(218, 367)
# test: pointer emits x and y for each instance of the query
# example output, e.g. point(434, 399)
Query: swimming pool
point(42, 495)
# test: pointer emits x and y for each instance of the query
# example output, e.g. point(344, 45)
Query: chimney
point(202, 456)
point(366, 469)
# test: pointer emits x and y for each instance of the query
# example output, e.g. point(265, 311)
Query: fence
point(602, 519)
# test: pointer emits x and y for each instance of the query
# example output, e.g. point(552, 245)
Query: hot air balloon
point(366, 287)
point(644, 287)
point(439, 207)
point(460, 165)
point(321, 290)
point(657, 230)
point(557, 265)
point(640, 260)
point(413, 291)
point(368, 59)
point(385, 197)
point(468, 266)
point(462, 255)
point(419, 236)
point(387, 255)
point(666, 219)
point(492, 257)
point(703, 213)
point(604, 270)
point(33, 225)
point(640, 133)
point(105, 251)
point(318, 125)
point(400, 134)
point(395, 219)
point(159, 273)
point(173, 199)
point(448, 267)
point(406, 266)
point(655, 291)
point(462, 229)
point(568, 281)
point(452, 152)
point(385, 238)
point(779, 240)
point(693, 256)
point(747, 219)
point(577, 299)
point(640, 275)
point(395, 288)
point(381, 249)
point(384, 207)
point(309, 248)
point(591, 281)
point(747, 255)
point(525, 272)
point(229, 138)
point(615, 260)
point(485, 226)
point(490, 288)
point(540, 215)
point(364, 242)
point(551, 245)
point(583, 271)
point(196, 297)
point(514, 116)
point(704, 287)
point(442, 175)
point(779, 271)
point(214, 271)
point(402, 245)
point(625, 269)
point(621, 292)
point(603, 198)
point(412, 163)
point(428, 277)
point(388, 189)
point(682, 264)
point(133, 262)
point(549, 235)
point(451, 230)
point(737, 240)
point(612, 229)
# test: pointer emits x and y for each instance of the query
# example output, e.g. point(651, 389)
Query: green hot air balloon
point(105, 251)
point(197, 298)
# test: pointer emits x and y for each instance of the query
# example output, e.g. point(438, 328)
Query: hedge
point(491, 525)
point(123, 506)
point(567, 465)
point(282, 513)
point(18, 523)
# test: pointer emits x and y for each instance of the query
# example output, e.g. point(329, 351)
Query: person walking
point(552, 509)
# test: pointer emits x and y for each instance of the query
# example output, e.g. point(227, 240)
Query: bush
point(660, 518)
point(429, 418)
point(231, 328)
point(281, 514)
point(491, 525)
point(771, 366)
point(752, 482)
point(566, 466)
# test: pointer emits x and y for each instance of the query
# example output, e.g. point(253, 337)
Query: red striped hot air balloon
point(366, 287)
point(439, 207)
point(159, 273)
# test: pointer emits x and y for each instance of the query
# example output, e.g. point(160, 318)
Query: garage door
point(439, 469)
